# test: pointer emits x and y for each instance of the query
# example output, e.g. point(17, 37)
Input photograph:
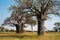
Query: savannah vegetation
point(29, 36)
point(31, 12)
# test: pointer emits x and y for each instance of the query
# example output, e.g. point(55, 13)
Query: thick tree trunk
point(17, 29)
point(40, 25)
point(21, 28)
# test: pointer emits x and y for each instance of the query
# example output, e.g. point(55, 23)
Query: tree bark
point(21, 28)
point(40, 27)
point(40, 24)
point(17, 29)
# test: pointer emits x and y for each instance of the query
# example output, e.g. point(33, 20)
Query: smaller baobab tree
point(18, 16)
point(16, 21)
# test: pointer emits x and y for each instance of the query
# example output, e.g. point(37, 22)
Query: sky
point(4, 13)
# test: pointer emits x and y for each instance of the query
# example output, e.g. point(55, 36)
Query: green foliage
point(1, 29)
point(12, 7)
point(31, 21)
point(57, 24)
point(12, 30)
point(6, 30)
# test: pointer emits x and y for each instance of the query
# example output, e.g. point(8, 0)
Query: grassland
point(29, 36)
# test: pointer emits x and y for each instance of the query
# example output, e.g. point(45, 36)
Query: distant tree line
point(2, 29)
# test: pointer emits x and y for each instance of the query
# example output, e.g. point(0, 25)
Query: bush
point(12, 30)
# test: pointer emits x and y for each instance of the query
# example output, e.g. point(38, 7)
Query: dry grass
point(29, 36)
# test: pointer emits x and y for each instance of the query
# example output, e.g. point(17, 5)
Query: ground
point(29, 36)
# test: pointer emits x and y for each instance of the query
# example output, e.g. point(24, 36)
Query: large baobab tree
point(38, 8)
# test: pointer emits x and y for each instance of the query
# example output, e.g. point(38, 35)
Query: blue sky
point(4, 4)
point(4, 13)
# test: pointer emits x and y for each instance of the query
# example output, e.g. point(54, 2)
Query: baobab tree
point(38, 8)
point(17, 22)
